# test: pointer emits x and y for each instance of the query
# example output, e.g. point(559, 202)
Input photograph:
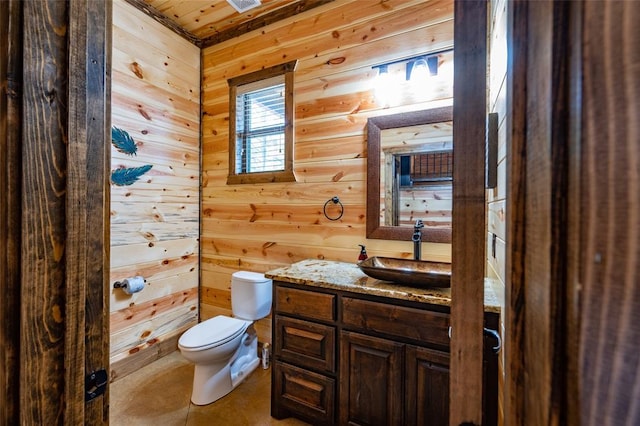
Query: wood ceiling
point(207, 22)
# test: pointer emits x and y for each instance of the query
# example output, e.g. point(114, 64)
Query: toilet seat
point(213, 332)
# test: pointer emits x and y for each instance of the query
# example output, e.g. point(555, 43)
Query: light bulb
point(386, 90)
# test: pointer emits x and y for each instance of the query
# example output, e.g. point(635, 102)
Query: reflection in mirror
point(410, 175)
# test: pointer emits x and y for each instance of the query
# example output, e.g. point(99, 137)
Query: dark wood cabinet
point(371, 378)
point(427, 386)
point(355, 359)
point(302, 393)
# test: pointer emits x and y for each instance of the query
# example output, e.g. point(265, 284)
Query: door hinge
point(95, 384)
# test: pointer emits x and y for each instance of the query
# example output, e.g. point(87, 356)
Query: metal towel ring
point(335, 200)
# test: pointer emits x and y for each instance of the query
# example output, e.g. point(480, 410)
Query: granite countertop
point(348, 277)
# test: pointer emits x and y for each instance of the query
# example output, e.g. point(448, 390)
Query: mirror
point(410, 175)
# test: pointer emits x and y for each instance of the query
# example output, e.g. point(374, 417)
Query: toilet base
point(213, 381)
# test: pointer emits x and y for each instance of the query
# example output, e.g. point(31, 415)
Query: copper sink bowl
point(415, 273)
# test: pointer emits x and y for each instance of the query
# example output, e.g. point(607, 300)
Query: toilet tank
point(250, 295)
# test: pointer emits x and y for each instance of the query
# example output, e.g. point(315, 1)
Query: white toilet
point(223, 349)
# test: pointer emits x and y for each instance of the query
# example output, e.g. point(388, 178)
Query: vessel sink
point(416, 273)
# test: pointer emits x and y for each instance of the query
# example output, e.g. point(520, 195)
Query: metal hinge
point(95, 384)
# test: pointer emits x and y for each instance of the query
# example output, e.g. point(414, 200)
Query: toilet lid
point(213, 332)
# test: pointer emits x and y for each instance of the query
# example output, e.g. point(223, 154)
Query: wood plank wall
point(260, 227)
point(497, 197)
point(155, 221)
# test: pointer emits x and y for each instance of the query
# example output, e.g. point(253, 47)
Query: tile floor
point(159, 393)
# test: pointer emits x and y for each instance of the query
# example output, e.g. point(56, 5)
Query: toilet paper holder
point(130, 285)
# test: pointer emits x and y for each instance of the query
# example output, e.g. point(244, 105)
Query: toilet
point(224, 349)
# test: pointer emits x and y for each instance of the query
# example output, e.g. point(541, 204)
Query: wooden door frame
point(604, 280)
point(469, 217)
point(573, 263)
point(543, 139)
point(10, 207)
point(55, 209)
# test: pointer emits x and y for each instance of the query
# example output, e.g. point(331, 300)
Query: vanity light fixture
point(414, 75)
point(385, 87)
point(415, 65)
point(422, 67)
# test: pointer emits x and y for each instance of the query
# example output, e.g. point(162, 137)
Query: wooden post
point(10, 206)
point(542, 99)
point(87, 254)
point(54, 211)
point(44, 161)
point(609, 333)
point(516, 161)
point(468, 240)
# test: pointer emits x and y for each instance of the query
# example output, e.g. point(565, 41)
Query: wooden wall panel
point(154, 221)
point(261, 227)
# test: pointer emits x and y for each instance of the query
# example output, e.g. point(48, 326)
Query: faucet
point(416, 238)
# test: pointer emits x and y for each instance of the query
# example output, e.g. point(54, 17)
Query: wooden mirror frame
point(375, 125)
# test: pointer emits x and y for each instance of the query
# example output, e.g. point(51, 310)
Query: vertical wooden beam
point(44, 163)
point(545, 235)
point(574, 216)
point(539, 149)
point(87, 338)
point(517, 20)
point(10, 207)
point(609, 354)
point(468, 239)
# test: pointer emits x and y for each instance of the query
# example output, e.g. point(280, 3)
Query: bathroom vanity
point(350, 349)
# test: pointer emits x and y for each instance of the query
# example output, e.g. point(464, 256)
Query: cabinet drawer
point(307, 394)
point(419, 325)
point(306, 304)
point(305, 343)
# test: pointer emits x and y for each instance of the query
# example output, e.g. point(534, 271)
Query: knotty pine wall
point(496, 198)
point(263, 226)
point(155, 221)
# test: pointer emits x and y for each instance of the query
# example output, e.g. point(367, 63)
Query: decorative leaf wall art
point(128, 175)
point(124, 143)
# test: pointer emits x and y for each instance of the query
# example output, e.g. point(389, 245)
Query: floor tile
point(159, 394)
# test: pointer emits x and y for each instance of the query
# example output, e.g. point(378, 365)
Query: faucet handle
point(419, 224)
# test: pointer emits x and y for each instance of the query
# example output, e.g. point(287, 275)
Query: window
point(261, 126)
point(425, 168)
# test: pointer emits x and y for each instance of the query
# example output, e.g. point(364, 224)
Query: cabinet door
point(427, 387)
point(302, 393)
point(371, 371)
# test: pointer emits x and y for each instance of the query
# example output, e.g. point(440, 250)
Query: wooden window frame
point(286, 175)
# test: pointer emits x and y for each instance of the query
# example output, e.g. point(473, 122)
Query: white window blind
point(260, 128)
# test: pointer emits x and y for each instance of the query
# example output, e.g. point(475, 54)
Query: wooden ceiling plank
point(214, 21)
point(159, 17)
point(262, 21)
